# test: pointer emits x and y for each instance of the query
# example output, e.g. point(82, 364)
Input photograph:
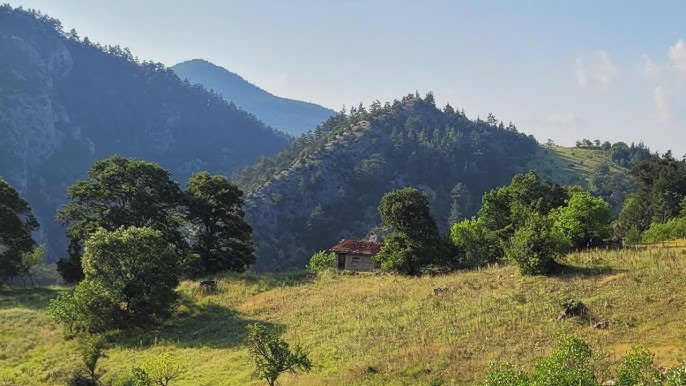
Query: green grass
point(570, 165)
point(370, 329)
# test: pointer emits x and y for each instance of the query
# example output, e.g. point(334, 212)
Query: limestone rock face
point(32, 122)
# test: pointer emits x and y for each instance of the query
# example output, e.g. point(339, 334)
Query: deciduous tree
point(221, 236)
point(16, 226)
point(119, 192)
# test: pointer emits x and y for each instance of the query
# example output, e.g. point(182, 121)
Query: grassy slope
point(569, 165)
point(383, 329)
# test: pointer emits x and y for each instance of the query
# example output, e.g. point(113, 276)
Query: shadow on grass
point(197, 326)
point(565, 270)
point(36, 298)
point(272, 279)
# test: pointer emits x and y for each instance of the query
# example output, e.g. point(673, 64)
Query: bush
point(130, 279)
point(506, 375)
point(638, 369)
point(670, 230)
point(321, 261)
point(272, 356)
point(476, 245)
point(160, 370)
point(534, 246)
point(570, 365)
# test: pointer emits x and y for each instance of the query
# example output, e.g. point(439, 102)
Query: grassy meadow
point(381, 329)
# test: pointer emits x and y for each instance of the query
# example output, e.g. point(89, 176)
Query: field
point(379, 329)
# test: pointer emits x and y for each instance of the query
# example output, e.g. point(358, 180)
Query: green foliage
point(506, 375)
point(506, 209)
point(476, 245)
point(160, 370)
point(92, 349)
point(638, 369)
point(585, 220)
point(407, 141)
point(321, 261)
point(658, 195)
point(221, 236)
point(570, 365)
point(119, 192)
point(272, 356)
point(415, 241)
point(535, 246)
point(670, 230)
point(130, 278)
point(16, 225)
point(407, 211)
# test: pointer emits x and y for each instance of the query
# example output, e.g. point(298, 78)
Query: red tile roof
point(357, 247)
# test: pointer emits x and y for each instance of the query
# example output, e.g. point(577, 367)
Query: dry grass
point(371, 329)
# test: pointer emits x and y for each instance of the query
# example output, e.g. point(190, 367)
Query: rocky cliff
point(65, 102)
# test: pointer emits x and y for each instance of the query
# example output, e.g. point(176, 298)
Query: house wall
point(360, 263)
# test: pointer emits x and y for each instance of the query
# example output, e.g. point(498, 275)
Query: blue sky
point(565, 70)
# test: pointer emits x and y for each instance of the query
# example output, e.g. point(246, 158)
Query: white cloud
point(663, 112)
point(677, 55)
point(650, 68)
point(595, 70)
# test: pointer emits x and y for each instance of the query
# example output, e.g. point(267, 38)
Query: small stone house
point(356, 255)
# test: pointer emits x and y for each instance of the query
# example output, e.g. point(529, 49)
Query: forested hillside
point(66, 102)
point(327, 185)
point(292, 116)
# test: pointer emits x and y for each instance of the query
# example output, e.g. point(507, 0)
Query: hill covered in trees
point(292, 116)
point(66, 102)
point(327, 184)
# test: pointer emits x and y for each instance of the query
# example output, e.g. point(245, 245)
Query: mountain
point(327, 185)
point(292, 116)
point(66, 102)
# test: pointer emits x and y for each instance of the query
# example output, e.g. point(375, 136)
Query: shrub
point(534, 246)
point(272, 356)
point(321, 261)
point(506, 375)
point(157, 371)
point(638, 369)
point(476, 245)
point(570, 365)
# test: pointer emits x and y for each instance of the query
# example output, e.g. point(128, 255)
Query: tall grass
point(378, 329)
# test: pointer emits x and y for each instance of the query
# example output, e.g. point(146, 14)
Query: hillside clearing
point(375, 329)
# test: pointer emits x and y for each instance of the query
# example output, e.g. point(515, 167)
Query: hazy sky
point(565, 70)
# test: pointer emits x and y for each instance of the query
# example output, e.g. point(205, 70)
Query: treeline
point(531, 222)
point(655, 211)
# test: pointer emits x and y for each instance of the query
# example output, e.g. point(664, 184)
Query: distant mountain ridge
point(291, 116)
point(66, 102)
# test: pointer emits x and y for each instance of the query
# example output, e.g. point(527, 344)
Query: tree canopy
point(16, 226)
point(221, 236)
point(119, 192)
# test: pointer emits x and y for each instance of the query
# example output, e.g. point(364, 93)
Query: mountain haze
point(66, 102)
point(292, 116)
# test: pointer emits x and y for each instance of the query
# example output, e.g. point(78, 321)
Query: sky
point(562, 70)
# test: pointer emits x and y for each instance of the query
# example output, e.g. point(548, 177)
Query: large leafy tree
point(16, 225)
point(221, 236)
point(507, 208)
point(119, 192)
point(415, 241)
point(130, 276)
point(585, 220)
